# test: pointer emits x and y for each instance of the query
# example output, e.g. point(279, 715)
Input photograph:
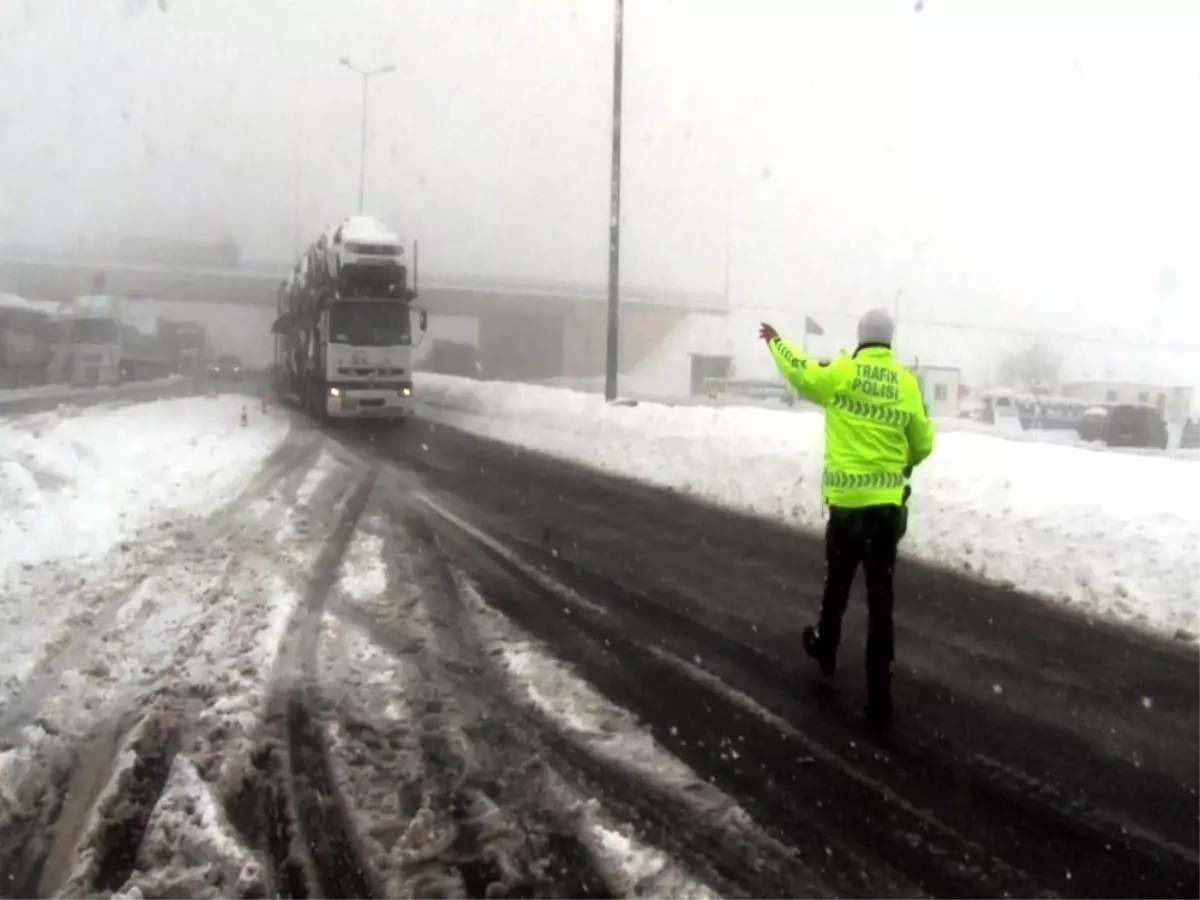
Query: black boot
point(879, 712)
point(826, 659)
point(879, 699)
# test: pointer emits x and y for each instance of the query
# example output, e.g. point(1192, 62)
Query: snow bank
point(1112, 533)
point(13, 301)
point(75, 486)
point(67, 392)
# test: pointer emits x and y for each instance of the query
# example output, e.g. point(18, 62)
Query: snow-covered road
point(198, 628)
point(102, 509)
point(1103, 532)
point(265, 661)
point(145, 590)
point(16, 401)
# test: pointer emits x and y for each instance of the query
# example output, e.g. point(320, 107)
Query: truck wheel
point(317, 410)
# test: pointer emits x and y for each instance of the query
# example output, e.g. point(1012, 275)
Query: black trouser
point(868, 535)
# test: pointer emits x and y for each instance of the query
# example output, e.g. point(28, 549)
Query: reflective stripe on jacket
point(876, 423)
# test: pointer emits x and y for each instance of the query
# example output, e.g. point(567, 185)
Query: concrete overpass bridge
point(524, 329)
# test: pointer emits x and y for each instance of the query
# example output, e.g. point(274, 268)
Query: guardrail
point(133, 392)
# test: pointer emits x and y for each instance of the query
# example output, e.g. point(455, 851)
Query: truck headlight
point(407, 392)
point(334, 392)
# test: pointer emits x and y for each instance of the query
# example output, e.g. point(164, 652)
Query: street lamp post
point(367, 75)
point(614, 213)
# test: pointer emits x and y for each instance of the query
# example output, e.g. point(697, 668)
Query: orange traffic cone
point(245, 421)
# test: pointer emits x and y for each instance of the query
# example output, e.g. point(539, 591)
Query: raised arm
point(817, 381)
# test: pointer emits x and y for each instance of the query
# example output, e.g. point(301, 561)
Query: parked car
point(1135, 425)
point(453, 358)
point(1093, 424)
point(1190, 438)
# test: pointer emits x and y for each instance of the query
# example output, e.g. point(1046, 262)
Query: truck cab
point(93, 330)
point(363, 347)
point(25, 349)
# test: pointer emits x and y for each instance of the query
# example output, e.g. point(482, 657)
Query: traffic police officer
point(876, 429)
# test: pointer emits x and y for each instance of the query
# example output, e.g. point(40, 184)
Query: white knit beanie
point(876, 327)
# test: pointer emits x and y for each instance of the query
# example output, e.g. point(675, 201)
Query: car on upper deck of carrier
point(360, 255)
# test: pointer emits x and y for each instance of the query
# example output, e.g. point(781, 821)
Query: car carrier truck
point(187, 343)
point(26, 341)
point(344, 344)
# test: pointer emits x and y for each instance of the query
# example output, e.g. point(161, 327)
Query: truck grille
point(369, 372)
point(374, 249)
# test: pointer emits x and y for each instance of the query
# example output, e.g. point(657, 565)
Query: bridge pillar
point(585, 328)
point(536, 346)
point(521, 346)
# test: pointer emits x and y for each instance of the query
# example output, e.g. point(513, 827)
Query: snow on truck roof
point(99, 305)
point(369, 230)
point(12, 301)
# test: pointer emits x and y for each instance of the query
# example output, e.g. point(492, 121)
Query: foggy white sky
point(1005, 162)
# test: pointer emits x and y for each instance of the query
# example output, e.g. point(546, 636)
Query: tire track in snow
point(779, 780)
point(475, 816)
point(282, 472)
point(102, 801)
point(1022, 852)
point(125, 817)
point(43, 808)
point(43, 775)
point(187, 850)
point(704, 832)
point(295, 748)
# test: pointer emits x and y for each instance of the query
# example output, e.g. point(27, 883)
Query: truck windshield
point(369, 324)
point(93, 331)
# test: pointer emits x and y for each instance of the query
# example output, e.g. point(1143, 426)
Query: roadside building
point(942, 387)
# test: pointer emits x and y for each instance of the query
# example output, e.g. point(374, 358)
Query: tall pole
point(728, 231)
point(725, 291)
point(614, 213)
point(296, 215)
point(366, 75)
point(362, 156)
